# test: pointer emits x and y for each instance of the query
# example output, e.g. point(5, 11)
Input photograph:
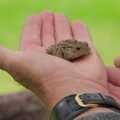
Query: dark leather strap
point(68, 108)
point(100, 99)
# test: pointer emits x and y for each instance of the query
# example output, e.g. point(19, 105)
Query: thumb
point(117, 62)
point(7, 59)
point(114, 75)
point(11, 63)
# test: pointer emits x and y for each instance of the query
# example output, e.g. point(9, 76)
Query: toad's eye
point(78, 48)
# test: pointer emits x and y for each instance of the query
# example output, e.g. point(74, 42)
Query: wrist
point(61, 85)
point(68, 87)
point(80, 105)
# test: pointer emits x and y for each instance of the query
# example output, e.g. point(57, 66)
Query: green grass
point(102, 17)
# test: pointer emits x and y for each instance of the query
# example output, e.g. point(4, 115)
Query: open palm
point(61, 29)
point(55, 28)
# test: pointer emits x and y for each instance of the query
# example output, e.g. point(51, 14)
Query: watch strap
point(67, 109)
point(74, 105)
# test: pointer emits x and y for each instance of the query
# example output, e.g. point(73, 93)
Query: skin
point(50, 77)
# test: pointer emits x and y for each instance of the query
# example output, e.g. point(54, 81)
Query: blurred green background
point(101, 16)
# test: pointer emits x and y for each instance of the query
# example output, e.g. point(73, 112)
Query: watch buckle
point(82, 104)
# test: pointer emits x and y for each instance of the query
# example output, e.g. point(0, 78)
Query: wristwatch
point(73, 105)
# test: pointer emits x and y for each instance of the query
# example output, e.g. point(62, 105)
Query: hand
point(50, 77)
point(91, 68)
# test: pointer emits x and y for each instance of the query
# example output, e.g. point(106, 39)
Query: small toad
point(69, 49)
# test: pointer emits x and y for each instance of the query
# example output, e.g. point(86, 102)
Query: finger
point(7, 59)
point(47, 29)
point(12, 63)
point(114, 76)
point(31, 33)
point(62, 28)
point(80, 33)
point(117, 62)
